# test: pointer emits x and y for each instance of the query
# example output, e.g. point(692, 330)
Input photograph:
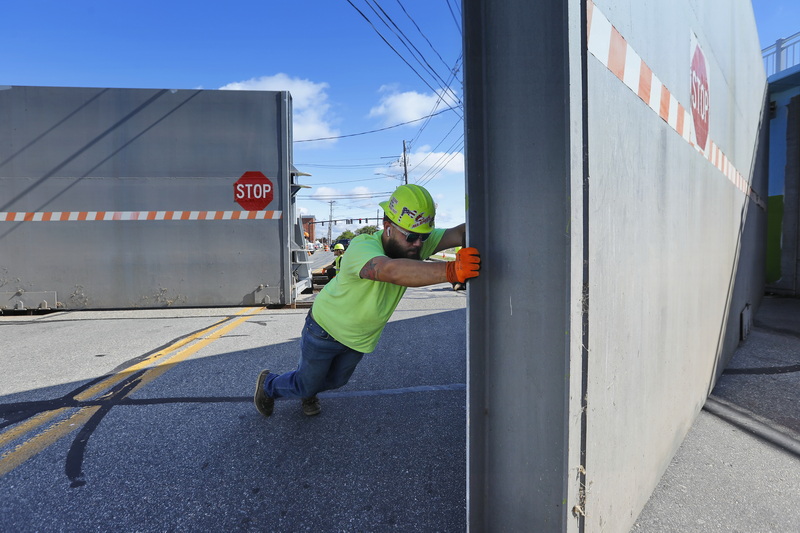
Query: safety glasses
point(412, 237)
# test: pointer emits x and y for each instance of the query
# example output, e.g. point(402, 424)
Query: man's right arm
point(405, 272)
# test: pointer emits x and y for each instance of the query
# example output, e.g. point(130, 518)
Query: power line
point(439, 100)
point(377, 130)
point(447, 90)
point(437, 146)
point(442, 162)
point(445, 87)
point(423, 35)
point(440, 166)
point(328, 165)
point(418, 56)
point(348, 181)
point(455, 19)
point(354, 196)
point(348, 162)
point(390, 46)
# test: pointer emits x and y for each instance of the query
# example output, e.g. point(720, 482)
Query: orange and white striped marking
point(609, 47)
point(106, 216)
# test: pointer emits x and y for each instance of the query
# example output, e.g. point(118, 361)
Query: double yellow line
point(153, 366)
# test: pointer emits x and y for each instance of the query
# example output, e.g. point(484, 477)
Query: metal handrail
point(785, 53)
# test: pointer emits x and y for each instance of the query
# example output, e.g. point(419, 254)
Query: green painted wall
point(774, 232)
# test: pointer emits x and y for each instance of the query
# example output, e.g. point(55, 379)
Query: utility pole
point(405, 164)
point(330, 224)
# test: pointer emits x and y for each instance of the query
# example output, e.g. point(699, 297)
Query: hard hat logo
point(418, 219)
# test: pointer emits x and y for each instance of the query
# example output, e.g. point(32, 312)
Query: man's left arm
point(452, 237)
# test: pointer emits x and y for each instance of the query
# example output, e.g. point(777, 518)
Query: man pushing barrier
point(349, 314)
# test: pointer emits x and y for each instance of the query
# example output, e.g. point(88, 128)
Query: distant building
point(782, 64)
point(309, 224)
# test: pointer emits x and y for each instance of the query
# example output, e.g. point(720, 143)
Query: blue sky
point(343, 77)
point(776, 19)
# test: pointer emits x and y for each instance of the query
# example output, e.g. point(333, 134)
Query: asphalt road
point(143, 421)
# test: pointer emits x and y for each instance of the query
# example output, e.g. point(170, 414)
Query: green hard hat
point(411, 207)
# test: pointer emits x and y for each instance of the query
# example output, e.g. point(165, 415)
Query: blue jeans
point(325, 364)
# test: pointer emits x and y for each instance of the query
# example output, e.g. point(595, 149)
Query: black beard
point(395, 251)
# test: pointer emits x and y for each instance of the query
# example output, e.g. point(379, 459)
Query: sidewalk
point(739, 467)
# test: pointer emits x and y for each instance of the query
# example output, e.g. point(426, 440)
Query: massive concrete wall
point(594, 346)
point(131, 155)
point(666, 222)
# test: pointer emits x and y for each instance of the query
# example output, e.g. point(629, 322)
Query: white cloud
point(396, 107)
point(325, 191)
point(424, 160)
point(310, 108)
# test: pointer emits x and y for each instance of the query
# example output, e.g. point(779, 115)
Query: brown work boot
point(311, 406)
point(264, 403)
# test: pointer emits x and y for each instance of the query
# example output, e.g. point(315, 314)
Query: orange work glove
point(466, 265)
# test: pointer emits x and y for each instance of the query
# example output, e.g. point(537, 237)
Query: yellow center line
point(163, 366)
point(29, 425)
point(43, 418)
point(26, 450)
point(156, 365)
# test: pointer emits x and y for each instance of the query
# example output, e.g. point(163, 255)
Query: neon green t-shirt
point(354, 311)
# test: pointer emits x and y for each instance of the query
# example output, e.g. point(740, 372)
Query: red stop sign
point(253, 191)
point(700, 97)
